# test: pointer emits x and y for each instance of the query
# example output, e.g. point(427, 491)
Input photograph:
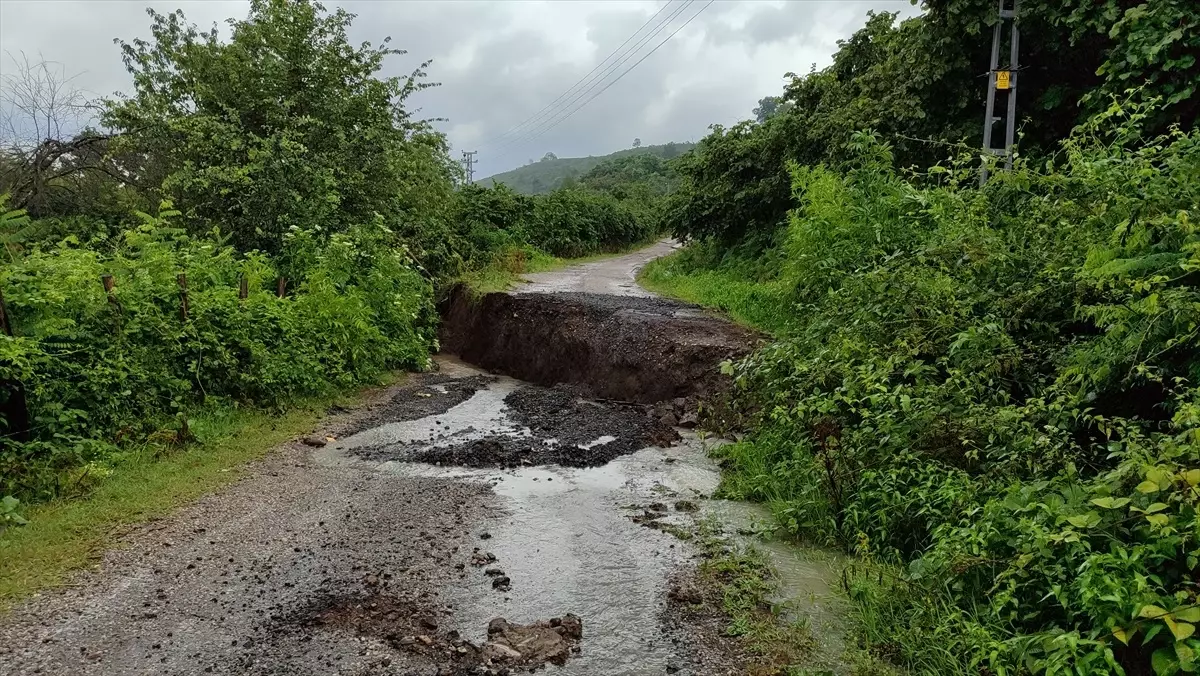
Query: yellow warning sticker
point(1003, 78)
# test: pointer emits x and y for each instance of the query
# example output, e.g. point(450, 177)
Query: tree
point(285, 125)
point(48, 155)
point(637, 143)
point(549, 156)
point(770, 106)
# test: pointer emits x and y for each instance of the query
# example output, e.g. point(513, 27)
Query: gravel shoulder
point(215, 587)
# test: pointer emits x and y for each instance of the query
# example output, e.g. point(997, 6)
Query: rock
point(656, 507)
point(425, 639)
point(314, 440)
point(497, 652)
point(689, 420)
point(573, 626)
point(686, 506)
point(502, 583)
point(669, 420)
point(493, 572)
point(498, 625)
point(485, 535)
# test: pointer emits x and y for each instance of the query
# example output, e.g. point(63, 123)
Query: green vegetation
point(551, 173)
point(991, 388)
point(989, 394)
point(262, 222)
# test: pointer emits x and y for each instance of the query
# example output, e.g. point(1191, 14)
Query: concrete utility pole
point(469, 162)
point(1002, 80)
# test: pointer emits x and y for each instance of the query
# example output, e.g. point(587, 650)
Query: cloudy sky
point(500, 63)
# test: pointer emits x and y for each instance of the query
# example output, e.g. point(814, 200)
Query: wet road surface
point(610, 276)
point(358, 558)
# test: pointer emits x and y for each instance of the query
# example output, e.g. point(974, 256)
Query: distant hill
point(545, 175)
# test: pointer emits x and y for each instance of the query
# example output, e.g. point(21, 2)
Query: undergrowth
point(990, 391)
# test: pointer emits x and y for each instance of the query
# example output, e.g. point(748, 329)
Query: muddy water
point(808, 579)
point(567, 543)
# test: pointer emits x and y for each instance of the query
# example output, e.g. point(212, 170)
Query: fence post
point(282, 286)
point(183, 296)
point(108, 282)
point(243, 287)
point(4, 325)
point(16, 411)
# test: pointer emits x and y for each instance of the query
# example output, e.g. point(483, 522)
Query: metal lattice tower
point(1005, 80)
point(468, 161)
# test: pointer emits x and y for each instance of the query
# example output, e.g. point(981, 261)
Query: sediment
point(642, 350)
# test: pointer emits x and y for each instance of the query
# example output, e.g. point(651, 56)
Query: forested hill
point(549, 173)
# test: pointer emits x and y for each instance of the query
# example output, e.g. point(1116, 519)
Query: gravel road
point(443, 504)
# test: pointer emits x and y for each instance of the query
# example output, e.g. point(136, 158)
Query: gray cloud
point(499, 63)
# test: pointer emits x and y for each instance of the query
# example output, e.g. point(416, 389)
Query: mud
point(545, 427)
point(426, 395)
point(424, 636)
point(626, 348)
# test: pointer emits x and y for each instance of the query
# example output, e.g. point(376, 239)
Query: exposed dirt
point(614, 347)
point(429, 394)
point(699, 627)
point(563, 430)
point(423, 633)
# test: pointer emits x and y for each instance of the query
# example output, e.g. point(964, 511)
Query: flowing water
point(565, 539)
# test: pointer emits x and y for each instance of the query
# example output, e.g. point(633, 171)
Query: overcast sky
point(501, 62)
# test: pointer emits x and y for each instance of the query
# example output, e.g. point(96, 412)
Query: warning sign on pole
point(1002, 79)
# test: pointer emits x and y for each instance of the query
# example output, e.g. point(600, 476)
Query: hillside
point(547, 174)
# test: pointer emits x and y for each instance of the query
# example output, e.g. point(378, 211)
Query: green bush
point(995, 390)
point(99, 373)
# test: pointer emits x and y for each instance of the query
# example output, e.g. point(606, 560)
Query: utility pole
point(468, 161)
point(1004, 80)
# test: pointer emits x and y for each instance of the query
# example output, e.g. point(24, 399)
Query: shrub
point(100, 371)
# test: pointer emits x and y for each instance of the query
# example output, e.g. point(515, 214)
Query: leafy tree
point(637, 143)
point(917, 84)
point(285, 125)
point(549, 156)
point(770, 106)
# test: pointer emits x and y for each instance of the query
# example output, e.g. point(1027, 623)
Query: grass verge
point(151, 481)
point(757, 304)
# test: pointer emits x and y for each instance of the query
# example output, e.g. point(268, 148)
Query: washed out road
point(394, 540)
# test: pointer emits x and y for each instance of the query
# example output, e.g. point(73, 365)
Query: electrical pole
point(1002, 80)
point(468, 161)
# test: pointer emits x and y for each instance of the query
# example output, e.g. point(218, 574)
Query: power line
point(529, 135)
point(539, 133)
point(587, 80)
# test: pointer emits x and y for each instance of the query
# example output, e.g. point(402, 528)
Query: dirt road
point(451, 500)
point(610, 276)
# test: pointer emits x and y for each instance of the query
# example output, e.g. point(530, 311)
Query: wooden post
point(282, 284)
point(183, 296)
point(112, 299)
point(15, 409)
point(243, 288)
